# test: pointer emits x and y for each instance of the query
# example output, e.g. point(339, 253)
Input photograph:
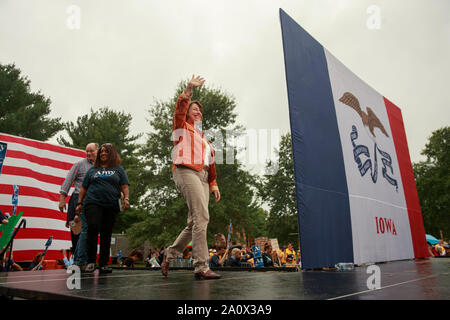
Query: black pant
point(70, 216)
point(100, 220)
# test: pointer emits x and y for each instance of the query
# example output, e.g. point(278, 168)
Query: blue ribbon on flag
point(15, 199)
point(3, 147)
point(386, 159)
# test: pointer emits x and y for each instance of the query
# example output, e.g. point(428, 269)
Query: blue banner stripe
point(321, 186)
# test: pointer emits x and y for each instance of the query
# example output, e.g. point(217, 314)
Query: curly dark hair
point(113, 156)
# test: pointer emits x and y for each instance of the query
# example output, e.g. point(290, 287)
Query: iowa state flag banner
point(356, 195)
point(32, 173)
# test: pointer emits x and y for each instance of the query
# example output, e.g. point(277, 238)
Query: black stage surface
point(426, 279)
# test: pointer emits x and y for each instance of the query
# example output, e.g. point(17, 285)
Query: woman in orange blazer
point(194, 174)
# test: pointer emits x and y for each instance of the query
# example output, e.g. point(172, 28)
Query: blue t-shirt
point(214, 262)
point(104, 186)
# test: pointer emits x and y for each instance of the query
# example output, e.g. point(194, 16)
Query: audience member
point(439, 247)
point(153, 259)
point(246, 254)
point(134, 256)
point(37, 263)
point(67, 262)
point(187, 253)
point(219, 258)
point(267, 255)
point(235, 259)
point(8, 264)
point(432, 251)
point(4, 217)
point(290, 256)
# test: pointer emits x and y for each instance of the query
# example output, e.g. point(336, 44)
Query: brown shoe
point(165, 265)
point(207, 275)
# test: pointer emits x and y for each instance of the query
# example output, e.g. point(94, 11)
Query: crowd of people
point(253, 257)
point(237, 255)
point(439, 249)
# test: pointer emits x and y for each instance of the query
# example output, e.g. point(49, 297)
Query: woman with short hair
point(194, 174)
point(100, 196)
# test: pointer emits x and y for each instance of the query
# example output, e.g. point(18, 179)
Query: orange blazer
point(190, 143)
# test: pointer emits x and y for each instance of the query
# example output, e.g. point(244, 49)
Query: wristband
point(79, 203)
point(126, 199)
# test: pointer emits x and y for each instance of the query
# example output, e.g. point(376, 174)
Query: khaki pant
point(194, 187)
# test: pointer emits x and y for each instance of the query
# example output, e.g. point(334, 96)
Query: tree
point(277, 188)
point(24, 113)
point(433, 183)
point(108, 126)
point(164, 210)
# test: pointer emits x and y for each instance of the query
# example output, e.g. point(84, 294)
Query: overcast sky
point(86, 54)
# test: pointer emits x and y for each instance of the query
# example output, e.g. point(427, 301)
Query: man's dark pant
point(100, 220)
point(70, 216)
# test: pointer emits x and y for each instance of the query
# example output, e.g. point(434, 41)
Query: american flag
point(31, 175)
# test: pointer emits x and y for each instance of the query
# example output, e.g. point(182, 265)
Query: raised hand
point(196, 81)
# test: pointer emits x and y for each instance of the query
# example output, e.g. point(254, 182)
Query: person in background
point(100, 199)
point(134, 256)
point(432, 251)
point(267, 255)
point(281, 256)
point(218, 258)
point(4, 217)
point(235, 259)
point(37, 263)
point(290, 256)
point(75, 177)
point(246, 254)
point(187, 253)
point(67, 261)
point(8, 264)
point(439, 247)
point(119, 257)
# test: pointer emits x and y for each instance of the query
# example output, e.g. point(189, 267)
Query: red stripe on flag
point(44, 234)
point(17, 171)
point(28, 255)
point(38, 160)
point(409, 184)
point(36, 212)
point(29, 191)
point(43, 145)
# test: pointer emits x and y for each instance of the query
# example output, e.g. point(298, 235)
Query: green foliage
point(24, 113)
point(103, 126)
point(277, 188)
point(165, 210)
point(433, 183)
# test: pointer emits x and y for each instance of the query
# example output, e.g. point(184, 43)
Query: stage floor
point(427, 279)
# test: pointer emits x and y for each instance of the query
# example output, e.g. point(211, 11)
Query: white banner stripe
point(44, 223)
point(379, 217)
point(30, 182)
point(29, 201)
point(22, 163)
point(39, 244)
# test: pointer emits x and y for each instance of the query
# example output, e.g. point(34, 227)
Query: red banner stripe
point(409, 184)
point(32, 174)
point(36, 212)
point(30, 191)
point(38, 160)
point(43, 146)
point(28, 255)
point(38, 233)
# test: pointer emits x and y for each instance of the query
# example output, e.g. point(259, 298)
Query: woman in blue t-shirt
point(100, 195)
